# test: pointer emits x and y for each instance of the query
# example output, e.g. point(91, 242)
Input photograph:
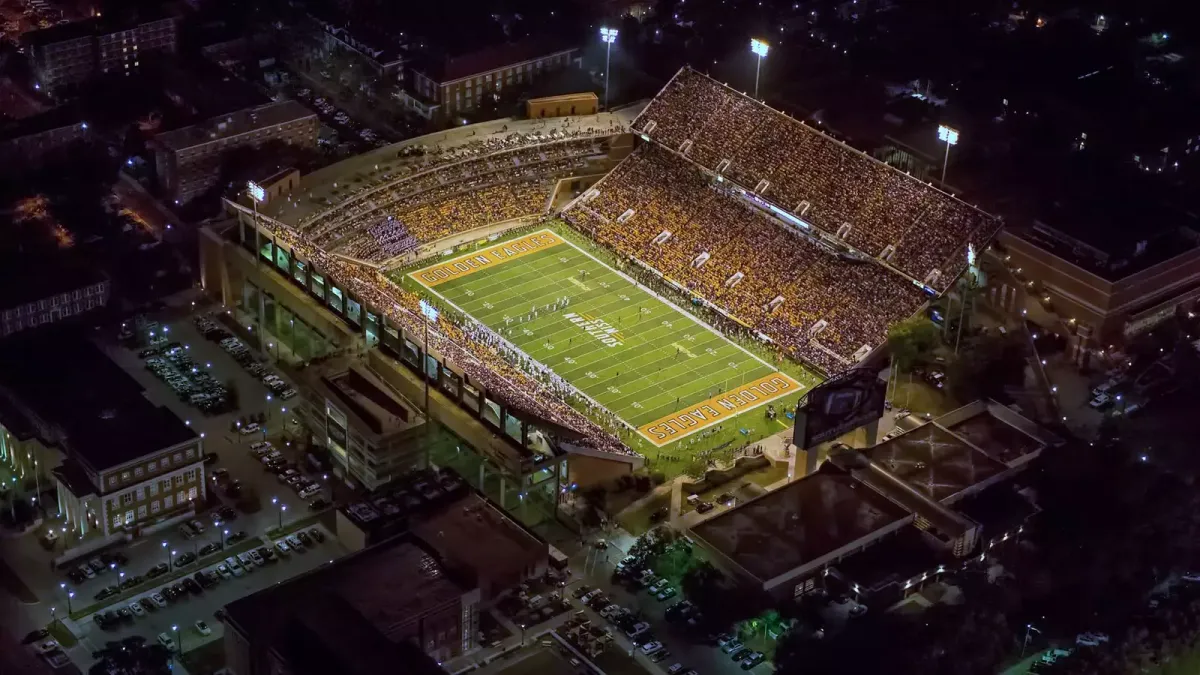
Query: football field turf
point(644, 360)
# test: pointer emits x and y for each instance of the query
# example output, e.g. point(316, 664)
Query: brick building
point(124, 464)
point(442, 88)
point(73, 53)
point(188, 160)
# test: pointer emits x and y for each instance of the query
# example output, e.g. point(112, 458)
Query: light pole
point(609, 36)
point(950, 136)
point(224, 539)
point(430, 313)
point(522, 635)
point(258, 194)
point(178, 642)
point(1025, 643)
point(172, 559)
point(170, 564)
point(282, 508)
point(69, 594)
point(760, 49)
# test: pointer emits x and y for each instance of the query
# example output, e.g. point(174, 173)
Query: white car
point(259, 445)
point(310, 491)
point(283, 548)
point(248, 429)
point(47, 646)
point(137, 609)
point(235, 568)
point(223, 570)
point(158, 600)
point(638, 629)
point(167, 641)
point(202, 628)
point(287, 394)
point(651, 647)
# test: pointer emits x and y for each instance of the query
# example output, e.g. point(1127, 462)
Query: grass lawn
point(920, 397)
point(59, 632)
point(637, 521)
point(768, 476)
point(294, 526)
point(649, 363)
point(206, 659)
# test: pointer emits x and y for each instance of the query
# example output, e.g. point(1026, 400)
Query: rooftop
point(457, 66)
point(999, 439)
point(67, 382)
point(474, 533)
point(91, 26)
point(799, 524)
point(55, 118)
point(374, 405)
point(389, 510)
point(386, 587)
point(234, 123)
point(935, 462)
point(893, 560)
point(31, 271)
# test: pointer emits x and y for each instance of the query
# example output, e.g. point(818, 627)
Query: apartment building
point(456, 85)
point(188, 160)
point(63, 293)
point(72, 53)
point(28, 142)
point(126, 465)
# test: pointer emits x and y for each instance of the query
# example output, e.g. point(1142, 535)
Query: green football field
point(638, 356)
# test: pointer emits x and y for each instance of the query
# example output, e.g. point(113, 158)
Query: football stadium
point(635, 286)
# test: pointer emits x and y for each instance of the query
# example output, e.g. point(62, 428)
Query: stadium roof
point(935, 462)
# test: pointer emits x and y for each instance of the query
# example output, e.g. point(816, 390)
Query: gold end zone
point(719, 408)
point(465, 265)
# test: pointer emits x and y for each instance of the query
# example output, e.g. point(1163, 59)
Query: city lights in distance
point(759, 47)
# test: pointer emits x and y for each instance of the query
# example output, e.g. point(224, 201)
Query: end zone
point(719, 408)
point(470, 263)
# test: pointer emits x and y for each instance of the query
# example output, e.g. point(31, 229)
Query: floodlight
point(759, 47)
point(948, 134)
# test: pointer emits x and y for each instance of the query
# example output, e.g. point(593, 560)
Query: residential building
point(562, 106)
point(456, 84)
point(30, 141)
point(362, 613)
point(189, 159)
point(73, 53)
point(1101, 265)
point(128, 465)
point(43, 290)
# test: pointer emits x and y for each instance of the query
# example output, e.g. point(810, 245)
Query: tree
point(910, 340)
point(131, 656)
point(231, 393)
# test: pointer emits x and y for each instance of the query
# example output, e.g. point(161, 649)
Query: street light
point(178, 642)
point(1025, 643)
point(170, 564)
point(950, 136)
point(760, 49)
point(224, 537)
point(282, 508)
point(609, 36)
point(522, 635)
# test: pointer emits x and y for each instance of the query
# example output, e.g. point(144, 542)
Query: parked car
point(316, 533)
point(209, 549)
point(167, 641)
point(651, 647)
point(158, 600)
point(203, 628)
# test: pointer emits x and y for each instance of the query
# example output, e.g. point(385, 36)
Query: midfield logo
point(600, 329)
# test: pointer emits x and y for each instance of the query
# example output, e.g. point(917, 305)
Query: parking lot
point(200, 604)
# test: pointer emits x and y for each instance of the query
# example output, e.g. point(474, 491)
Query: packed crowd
point(450, 199)
point(926, 229)
point(502, 157)
point(472, 347)
point(816, 305)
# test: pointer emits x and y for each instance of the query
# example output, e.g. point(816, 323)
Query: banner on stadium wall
point(838, 406)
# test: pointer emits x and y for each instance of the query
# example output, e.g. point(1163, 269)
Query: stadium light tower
point(430, 314)
point(950, 136)
point(609, 35)
point(760, 49)
point(258, 195)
